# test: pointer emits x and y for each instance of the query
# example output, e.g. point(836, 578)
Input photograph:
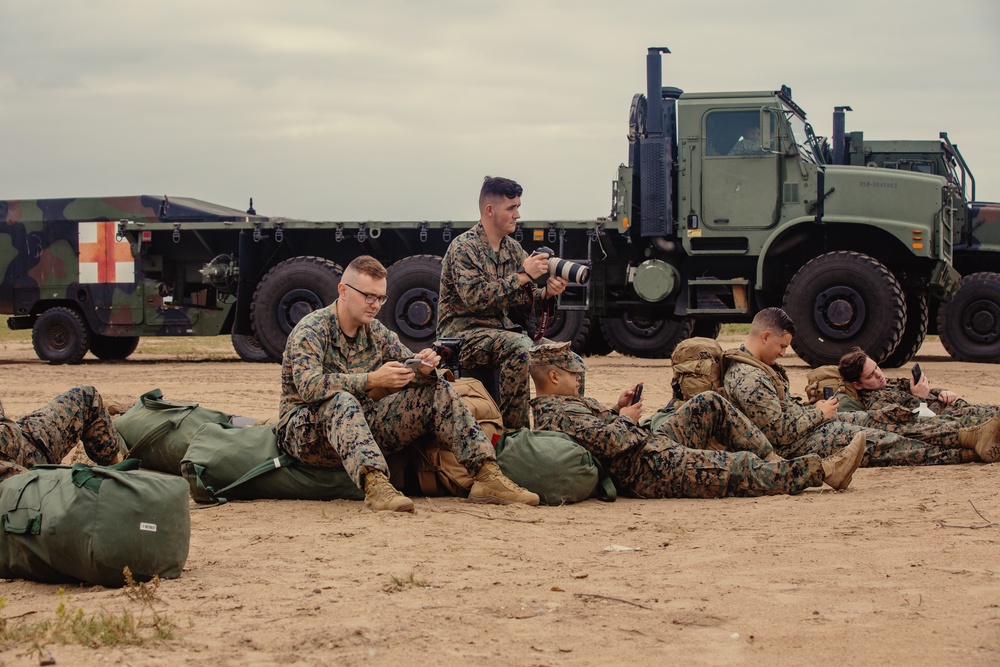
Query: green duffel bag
point(81, 523)
point(158, 431)
point(227, 462)
point(554, 466)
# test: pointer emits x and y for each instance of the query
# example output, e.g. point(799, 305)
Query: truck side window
point(733, 133)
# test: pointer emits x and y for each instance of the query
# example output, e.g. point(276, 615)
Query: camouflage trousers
point(933, 431)
point(664, 469)
point(355, 434)
point(50, 432)
point(882, 449)
point(966, 413)
point(508, 351)
point(708, 416)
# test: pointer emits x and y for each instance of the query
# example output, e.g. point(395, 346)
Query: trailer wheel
point(969, 324)
point(412, 307)
point(649, 339)
point(568, 325)
point(113, 348)
point(842, 299)
point(60, 336)
point(249, 349)
point(287, 293)
point(914, 332)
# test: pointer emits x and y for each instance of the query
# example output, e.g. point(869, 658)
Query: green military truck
point(969, 324)
point(726, 206)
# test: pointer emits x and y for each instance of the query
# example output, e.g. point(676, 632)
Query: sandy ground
point(867, 576)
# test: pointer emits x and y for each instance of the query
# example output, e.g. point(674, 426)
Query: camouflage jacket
point(320, 361)
point(479, 287)
point(614, 439)
point(753, 392)
point(897, 392)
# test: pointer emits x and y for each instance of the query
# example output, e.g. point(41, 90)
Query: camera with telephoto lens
point(571, 272)
point(447, 349)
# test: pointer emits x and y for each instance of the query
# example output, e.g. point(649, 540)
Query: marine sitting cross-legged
point(759, 387)
point(346, 398)
point(50, 432)
point(653, 465)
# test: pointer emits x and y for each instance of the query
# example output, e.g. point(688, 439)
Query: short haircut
point(368, 266)
point(852, 365)
point(540, 374)
point(773, 320)
point(495, 186)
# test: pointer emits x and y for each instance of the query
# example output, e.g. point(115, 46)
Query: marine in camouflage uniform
point(50, 432)
point(658, 465)
point(481, 287)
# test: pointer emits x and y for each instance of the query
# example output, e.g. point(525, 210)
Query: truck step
point(712, 296)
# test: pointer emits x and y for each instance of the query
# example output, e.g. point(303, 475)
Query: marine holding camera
point(571, 272)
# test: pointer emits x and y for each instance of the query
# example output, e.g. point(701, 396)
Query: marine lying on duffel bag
point(81, 523)
point(554, 466)
point(229, 462)
point(697, 366)
point(158, 431)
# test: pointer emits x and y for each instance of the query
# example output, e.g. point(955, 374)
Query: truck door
point(107, 271)
point(740, 178)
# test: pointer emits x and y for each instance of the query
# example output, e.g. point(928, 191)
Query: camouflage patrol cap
point(557, 354)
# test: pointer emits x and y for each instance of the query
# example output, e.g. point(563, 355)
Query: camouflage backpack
point(827, 376)
point(697, 365)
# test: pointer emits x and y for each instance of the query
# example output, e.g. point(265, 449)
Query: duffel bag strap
point(282, 461)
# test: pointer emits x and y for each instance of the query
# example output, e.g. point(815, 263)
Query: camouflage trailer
point(969, 325)
point(726, 206)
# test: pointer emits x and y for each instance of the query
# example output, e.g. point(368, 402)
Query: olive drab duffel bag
point(81, 523)
point(554, 466)
point(158, 431)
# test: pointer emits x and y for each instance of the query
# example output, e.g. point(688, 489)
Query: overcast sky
point(337, 110)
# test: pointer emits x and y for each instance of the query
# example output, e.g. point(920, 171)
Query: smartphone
point(827, 393)
point(916, 373)
point(412, 363)
point(637, 396)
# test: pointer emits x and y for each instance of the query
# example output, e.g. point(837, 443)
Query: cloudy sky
point(394, 110)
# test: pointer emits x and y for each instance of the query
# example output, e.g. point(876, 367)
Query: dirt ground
point(899, 569)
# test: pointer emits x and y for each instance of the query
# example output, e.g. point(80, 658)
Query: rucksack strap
point(742, 357)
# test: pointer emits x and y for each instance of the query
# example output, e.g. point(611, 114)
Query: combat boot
point(492, 486)
point(380, 494)
point(985, 439)
point(838, 468)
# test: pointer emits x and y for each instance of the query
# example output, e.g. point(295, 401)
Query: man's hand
point(921, 389)
point(947, 397)
point(536, 266)
point(430, 358)
point(625, 399)
point(555, 286)
point(828, 407)
point(633, 412)
point(391, 375)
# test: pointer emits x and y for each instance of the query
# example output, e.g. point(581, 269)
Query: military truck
point(969, 325)
point(725, 206)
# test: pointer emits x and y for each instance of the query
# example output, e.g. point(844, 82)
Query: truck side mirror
point(765, 131)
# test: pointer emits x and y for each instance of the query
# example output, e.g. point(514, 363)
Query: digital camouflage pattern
point(653, 465)
point(795, 429)
point(328, 419)
point(479, 292)
point(897, 393)
point(50, 432)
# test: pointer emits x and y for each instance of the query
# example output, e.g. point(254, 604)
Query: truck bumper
point(944, 281)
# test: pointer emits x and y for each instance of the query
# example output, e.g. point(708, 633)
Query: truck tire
point(569, 325)
point(412, 307)
point(288, 292)
point(648, 339)
point(596, 345)
point(113, 348)
point(842, 299)
point(60, 336)
point(914, 332)
point(249, 349)
point(969, 324)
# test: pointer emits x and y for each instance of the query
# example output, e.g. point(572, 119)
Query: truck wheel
point(60, 336)
point(113, 348)
point(969, 324)
point(569, 325)
point(914, 332)
point(706, 328)
point(649, 339)
point(842, 299)
point(412, 307)
point(249, 349)
point(596, 345)
point(287, 293)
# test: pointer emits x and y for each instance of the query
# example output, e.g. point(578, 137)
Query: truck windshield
point(803, 136)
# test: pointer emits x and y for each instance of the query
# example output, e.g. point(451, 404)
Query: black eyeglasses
point(370, 299)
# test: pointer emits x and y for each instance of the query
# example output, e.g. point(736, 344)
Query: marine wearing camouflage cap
point(557, 354)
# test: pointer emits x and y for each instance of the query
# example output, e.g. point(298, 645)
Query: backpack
point(697, 366)
point(82, 523)
point(158, 431)
point(481, 405)
point(553, 465)
point(827, 376)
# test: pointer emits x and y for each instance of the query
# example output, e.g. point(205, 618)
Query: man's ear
point(857, 385)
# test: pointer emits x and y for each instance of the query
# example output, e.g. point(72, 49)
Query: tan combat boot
point(492, 486)
point(380, 494)
point(985, 439)
point(838, 468)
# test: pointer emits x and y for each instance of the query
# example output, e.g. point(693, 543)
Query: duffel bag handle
point(32, 527)
point(153, 400)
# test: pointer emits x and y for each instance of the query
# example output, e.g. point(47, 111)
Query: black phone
point(827, 393)
point(637, 396)
point(916, 373)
